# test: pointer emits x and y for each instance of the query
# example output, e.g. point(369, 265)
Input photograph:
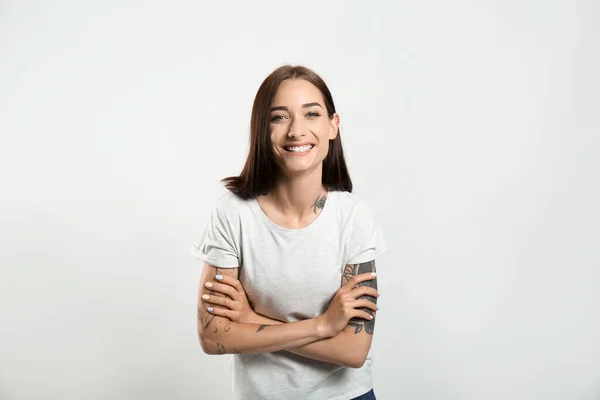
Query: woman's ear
point(334, 124)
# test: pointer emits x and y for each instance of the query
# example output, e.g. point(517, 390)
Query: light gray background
point(470, 127)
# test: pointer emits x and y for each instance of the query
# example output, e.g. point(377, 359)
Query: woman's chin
point(294, 166)
point(296, 169)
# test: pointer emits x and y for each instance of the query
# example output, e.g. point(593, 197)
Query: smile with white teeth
point(299, 149)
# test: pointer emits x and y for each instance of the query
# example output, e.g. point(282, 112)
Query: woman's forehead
point(297, 92)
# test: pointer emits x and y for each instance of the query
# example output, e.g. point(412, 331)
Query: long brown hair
point(259, 172)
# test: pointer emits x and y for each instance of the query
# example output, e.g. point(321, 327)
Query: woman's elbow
point(356, 359)
point(208, 347)
point(355, 363)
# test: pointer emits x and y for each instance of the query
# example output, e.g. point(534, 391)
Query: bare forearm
point(230, 337)
point(336, 350)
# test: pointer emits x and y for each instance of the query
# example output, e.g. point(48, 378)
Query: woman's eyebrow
point(311, 105)
point(284, 108)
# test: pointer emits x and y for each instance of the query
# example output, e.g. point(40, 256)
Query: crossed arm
point(310, 338)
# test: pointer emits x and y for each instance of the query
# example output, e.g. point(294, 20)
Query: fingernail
point(209, 309)
point(371, 316)
point(219, 277)
point(208, 284)
point(374, 273)
point(205, 296)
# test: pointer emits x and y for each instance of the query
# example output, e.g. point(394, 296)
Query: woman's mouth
point(299, 149)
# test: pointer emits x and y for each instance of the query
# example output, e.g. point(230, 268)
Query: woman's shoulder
point(228, 204)
point(348, 200)
point(349, 204)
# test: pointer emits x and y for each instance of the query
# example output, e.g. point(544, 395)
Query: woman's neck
point(299, 196)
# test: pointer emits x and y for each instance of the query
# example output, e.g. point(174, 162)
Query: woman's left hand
point(235, 306)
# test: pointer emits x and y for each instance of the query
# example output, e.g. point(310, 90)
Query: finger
point(221, 312)
point(364, 291)
point(363, 315)
point(231, 281)
point(223, 289)
point(356, 279)
point(217, 300)
point(364, 303)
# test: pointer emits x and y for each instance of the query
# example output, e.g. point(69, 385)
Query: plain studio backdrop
point(470, 127)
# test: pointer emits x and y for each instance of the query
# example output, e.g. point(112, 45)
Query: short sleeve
point(366, 241)
point(216, 246)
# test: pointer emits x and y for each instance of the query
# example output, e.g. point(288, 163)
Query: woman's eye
point(277, 118)
point(313, 114)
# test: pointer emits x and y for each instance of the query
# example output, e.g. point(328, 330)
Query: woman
point(288, 283)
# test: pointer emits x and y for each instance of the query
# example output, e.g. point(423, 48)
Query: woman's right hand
point(346, 304)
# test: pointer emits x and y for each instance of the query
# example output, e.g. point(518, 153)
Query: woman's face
point(300, 127)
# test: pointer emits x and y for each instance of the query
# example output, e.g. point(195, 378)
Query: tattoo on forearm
point(319, 203)
point(260, 328)
point(220, 348)
point(356, 269)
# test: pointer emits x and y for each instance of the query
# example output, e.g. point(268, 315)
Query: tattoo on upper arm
point(211, 317)
point(209, 320)
point(205, 319)
point(356, 269)
point(260, 328)
point(212, 292)
point(200, 324)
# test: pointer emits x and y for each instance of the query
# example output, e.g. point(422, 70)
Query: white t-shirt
point(291, 275)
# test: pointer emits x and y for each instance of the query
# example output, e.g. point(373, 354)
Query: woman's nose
point(296, 128)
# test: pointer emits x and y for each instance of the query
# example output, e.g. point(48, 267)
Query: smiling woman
point(289, 284)
point(296, 102)
point(300, 128)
